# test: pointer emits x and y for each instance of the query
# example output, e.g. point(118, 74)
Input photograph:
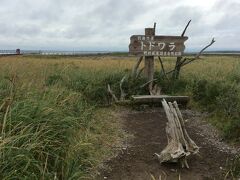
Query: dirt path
point(136, 162)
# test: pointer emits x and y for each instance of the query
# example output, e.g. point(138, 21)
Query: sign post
point(150, 45)
point(149, 60)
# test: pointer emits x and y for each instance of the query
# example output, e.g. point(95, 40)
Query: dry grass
point(50, 96)
point(49, 130)
point(37, 67)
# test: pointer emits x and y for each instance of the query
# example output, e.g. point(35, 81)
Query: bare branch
point(198, 55)
point(154, 27)
point(211, 43)
point(139, 72)
point(178, 61)
point(134, 70)
point(186, 61)
point(142, 86)
point(183, 33)
point(112, 94)
point(156, 90)
point(123, 94)
point(160, 60)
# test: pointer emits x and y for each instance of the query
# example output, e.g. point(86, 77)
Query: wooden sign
point(147, 45)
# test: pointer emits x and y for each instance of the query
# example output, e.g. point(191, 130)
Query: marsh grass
point(51, 131)
point(56, 127)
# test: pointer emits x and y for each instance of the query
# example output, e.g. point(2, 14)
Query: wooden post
point(149, 60)
point(149, 67)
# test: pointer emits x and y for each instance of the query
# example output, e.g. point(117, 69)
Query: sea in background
point(54, 52)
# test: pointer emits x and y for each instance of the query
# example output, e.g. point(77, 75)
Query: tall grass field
point(55, 118)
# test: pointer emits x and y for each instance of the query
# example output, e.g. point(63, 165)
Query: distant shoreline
point(89, 53)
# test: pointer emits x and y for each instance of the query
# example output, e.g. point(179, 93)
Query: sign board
point(157, 45)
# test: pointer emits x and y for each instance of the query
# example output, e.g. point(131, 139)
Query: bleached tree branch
point(123, 94)
point(183, 33)
point(186, 60)
point(135, 68)
point(112, 93)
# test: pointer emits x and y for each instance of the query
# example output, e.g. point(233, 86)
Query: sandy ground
point(136, 161)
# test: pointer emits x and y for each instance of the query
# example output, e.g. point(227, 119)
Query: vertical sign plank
point(149, 60)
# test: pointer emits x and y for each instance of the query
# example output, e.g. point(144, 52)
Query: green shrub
point(236, 167)
point(93, 87)
point(223, 99)
point(231, 129)
point(169, 86)
point(234, 75)
point(206, 92)
point(228, 101)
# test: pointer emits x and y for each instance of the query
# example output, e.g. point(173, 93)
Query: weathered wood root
point(123, 94)
point(114, 98)
point(180, 145)
point(155, 91)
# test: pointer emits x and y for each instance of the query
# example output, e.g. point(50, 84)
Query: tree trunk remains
point(157, 99)
point(180, 145)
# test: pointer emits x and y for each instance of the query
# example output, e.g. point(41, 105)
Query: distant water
point(48, 52)
point(51, 52)
point(214, 53)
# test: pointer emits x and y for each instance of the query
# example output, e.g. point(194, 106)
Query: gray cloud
point(108, 24)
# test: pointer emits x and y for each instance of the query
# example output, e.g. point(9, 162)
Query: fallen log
point(180, 145)
point(154, 99)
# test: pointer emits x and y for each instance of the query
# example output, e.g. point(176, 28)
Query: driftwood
point(156, 90)
point(123, 94)
point(135, 68)
point(180, 145)
point(134, 74)
point(114, 98)
point(163, 69)
point(139, 72)
point(156, 99)
point(184, 61)
point(180, 62)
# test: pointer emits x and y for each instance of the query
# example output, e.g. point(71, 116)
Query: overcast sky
point(108, 24)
